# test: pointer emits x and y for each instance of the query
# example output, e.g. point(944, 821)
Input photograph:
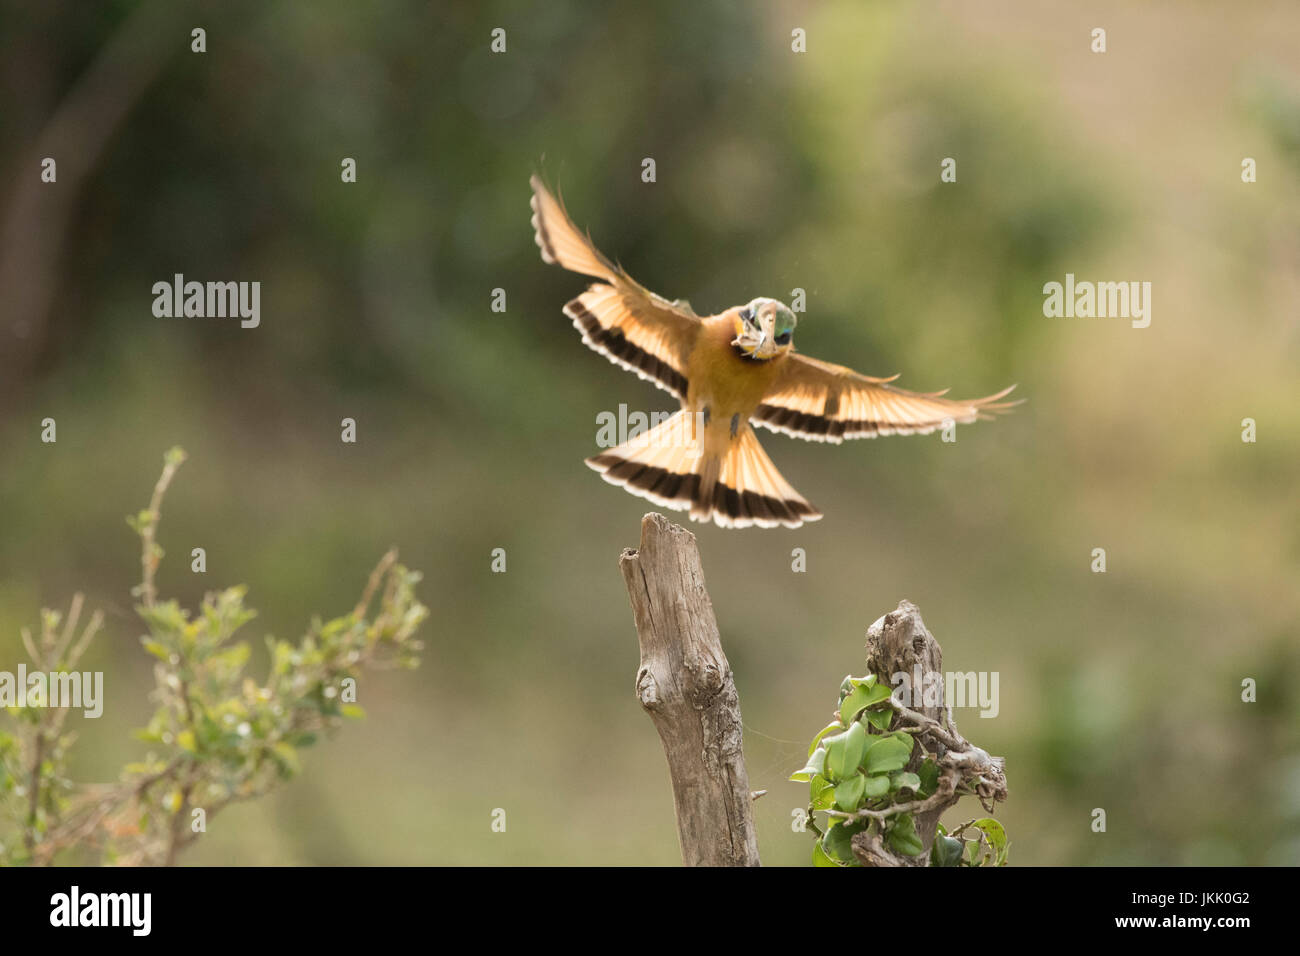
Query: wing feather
point(819, 401)
point(628, 324)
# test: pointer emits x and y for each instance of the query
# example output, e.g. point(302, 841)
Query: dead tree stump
point(900, 643)
point(684, 683)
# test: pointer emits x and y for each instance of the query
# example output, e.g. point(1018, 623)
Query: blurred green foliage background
point(776, 170)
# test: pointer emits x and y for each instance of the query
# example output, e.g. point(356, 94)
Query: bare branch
point(685, 685)
point(148, 532)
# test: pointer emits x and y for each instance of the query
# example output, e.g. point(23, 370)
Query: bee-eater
point(730, 371)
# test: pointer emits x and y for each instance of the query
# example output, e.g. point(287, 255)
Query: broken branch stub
point(684, 683)
point(900, 643)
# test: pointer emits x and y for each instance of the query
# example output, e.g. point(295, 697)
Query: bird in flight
point(730, 371)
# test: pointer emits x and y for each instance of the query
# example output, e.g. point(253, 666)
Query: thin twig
point(372, 585)
point(148, 557)
point(74, 614)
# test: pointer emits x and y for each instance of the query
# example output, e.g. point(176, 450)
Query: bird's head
point(764, 328)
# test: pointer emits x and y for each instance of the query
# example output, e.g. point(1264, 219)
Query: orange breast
point(727, 382)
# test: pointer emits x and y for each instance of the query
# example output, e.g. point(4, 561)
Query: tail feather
point(659, 464)
point(736, 489)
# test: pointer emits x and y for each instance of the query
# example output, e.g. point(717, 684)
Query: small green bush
point(864, 778)
point(217, 735)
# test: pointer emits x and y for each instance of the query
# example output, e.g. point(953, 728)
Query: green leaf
point(854, 704)
point(822, 733)
point(813, 768)
point(233, 658)
point(846, 687)
point(837, 841)
point(862, 696)
point(996, 834)
point(879, 692)
point(902, 778)
point(994, 830)
point(844, 752)
point(848, 794)
point(821, 793)
point(946, 851)
point(156, 649)
point(880, 718)
point(139, 521)
point(820, 858)
point(902, 836)
point(929, 774)
point(876, 787)
point(888, 753)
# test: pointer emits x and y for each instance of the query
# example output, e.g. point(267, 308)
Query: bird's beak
point(760, 348)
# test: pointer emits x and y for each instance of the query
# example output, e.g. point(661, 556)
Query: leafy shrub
point(217, 735)
point(866, 778)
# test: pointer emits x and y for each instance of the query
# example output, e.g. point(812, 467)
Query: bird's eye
point(782, 339)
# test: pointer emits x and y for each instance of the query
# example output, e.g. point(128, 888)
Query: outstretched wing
point(629, 325)
point(819, 401)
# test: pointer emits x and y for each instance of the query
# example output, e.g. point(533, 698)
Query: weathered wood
point(900, 643)
point(684, 683)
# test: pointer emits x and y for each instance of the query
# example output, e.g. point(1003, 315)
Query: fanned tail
point(736, 489)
